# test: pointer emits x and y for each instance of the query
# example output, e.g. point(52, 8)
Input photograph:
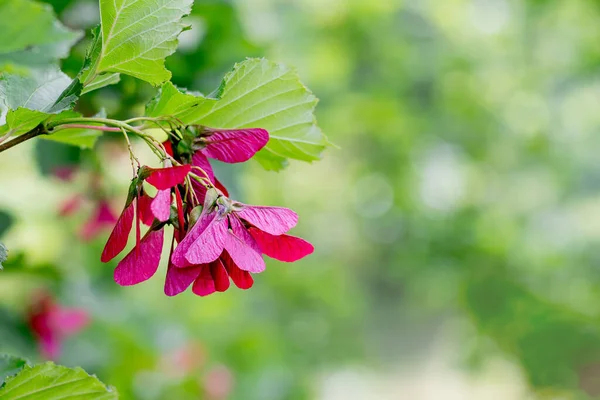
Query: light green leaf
point(50, 381)
point(137, 36)
point(31, 35)
point(9, 365)
point(88, 74)
point(27, 101)
point(100, 81)
point(171, 101)
point(256, 94)
point(3, 257)
point(21, 120)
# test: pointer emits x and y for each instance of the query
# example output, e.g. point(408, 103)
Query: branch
point(84, 123)
point(83, 126)
point(37, 131)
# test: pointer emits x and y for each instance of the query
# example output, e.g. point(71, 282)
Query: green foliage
point(50, 381)
point(501, 307)
point(3, 254)
point(10, 365)
point(27, 101)
point(5, 221)
point(135, 38)
point(100, 81)
point(256, 93)
point(138, 36)
point(89, 73)
point(31, 36)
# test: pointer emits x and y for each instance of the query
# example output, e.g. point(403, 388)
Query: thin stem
point(167, 118)
point(153, 147)
point(155, 122)
point(137, 226)
point(82, 126)
point(109, 125)
point(149, 119)
point(174, 124)
point(132, 156)
point(203, 181)
point(179, 122)
point(201, 170)
point(85, 120)
point(90, 79)
point(159, 144)
point(193, 197)
point(170, 132)
point(104, 121)
point(118, 124)
point(37, 131)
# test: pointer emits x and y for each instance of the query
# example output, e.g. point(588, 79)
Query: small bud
point(195, 215)
point(211, 197)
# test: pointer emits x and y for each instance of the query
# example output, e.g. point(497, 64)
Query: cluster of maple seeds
point(215, 238)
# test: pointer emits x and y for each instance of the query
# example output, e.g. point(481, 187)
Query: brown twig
point(37, 131)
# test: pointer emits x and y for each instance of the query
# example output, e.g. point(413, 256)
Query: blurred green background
point(457, 227)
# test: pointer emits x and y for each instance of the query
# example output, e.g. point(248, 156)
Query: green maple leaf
point(257, 93)
point(136, 37)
